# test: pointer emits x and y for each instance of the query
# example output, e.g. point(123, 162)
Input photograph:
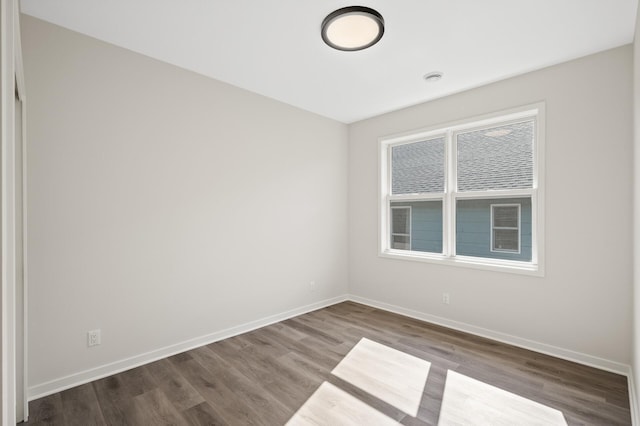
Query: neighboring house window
point(401, 228)
point(505, 228)
point(467, 194)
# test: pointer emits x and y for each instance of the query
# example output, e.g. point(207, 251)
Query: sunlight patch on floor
point(388, 374)
point(468, 401)
point(330, 405)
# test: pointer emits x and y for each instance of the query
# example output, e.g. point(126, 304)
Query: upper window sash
point(450, 136)
point(425, 146)
point(485, 128)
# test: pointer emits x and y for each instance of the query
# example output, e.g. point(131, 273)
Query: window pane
point(400, 220)
point(505, 239)
point(418, 167)
point(425, 225)
point(505, 216)
point(474, 232)
point(400, 242)
point(496, 158)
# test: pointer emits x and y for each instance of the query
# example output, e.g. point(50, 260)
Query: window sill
point(509, 266)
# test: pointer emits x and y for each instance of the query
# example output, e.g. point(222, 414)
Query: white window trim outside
point(517, 228)
point(449, 198)
point(394, 234)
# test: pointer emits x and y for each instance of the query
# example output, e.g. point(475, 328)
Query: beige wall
point(583, 303)
point(164, 205)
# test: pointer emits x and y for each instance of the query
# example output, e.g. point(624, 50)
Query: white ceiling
point(273, 47)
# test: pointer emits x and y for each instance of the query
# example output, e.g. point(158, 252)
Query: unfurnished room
point(294, 212)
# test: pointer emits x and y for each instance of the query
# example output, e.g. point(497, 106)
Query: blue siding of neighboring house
point(473, 229)
point(426, 225)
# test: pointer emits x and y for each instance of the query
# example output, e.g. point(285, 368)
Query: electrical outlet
point(445, 298)
point(93, 338)
point(312, 285)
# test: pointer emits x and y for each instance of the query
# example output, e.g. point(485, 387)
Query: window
point(467, 194)
point(401, 228)
point(505, 228)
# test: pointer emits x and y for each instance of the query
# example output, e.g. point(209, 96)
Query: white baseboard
point(96, 373)
point(567, 354)
point(633, 398)
point(86, 376)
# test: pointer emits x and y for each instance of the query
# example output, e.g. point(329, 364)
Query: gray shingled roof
point(418, 167)
point(485, 162)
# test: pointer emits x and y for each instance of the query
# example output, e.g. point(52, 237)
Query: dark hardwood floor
point(264, 377)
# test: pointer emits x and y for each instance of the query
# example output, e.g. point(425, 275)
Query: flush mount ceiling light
point(352, 28)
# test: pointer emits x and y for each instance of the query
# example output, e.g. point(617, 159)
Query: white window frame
point(450, 196)
point(517, 228)
point(392, 234)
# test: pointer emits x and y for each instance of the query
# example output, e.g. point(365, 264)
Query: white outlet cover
point(93, 338)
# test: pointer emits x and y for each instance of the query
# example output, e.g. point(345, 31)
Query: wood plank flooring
point(267, 376)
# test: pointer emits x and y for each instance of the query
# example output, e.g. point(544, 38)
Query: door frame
point(12, 84)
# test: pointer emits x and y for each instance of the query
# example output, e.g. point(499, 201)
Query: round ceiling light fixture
point(352, 28)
